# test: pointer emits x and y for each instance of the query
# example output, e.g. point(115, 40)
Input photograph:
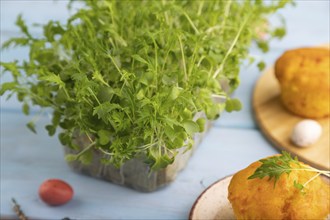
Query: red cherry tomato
point(55, 192)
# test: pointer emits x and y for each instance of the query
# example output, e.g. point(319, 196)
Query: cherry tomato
point(55, 192)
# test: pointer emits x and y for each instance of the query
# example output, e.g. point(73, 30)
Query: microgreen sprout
point(276, 166)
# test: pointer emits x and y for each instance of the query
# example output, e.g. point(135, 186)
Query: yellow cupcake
point(260, 199)
point(303, 75)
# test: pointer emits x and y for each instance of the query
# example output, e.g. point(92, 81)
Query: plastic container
point(134, 173)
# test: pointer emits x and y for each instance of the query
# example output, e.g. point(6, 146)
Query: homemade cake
point(263, 199)
point(303, 75)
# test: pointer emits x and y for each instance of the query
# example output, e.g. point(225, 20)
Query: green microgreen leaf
point(299, 186)
point(175, 92)
point(279, 32)
point(51, 130)
point(86, 158)
point(261, 65)
point(104, 137)
point(31, 125)
point(7, 87)
point(191, 127)
point(26, 108)
point(233, 105)
point(70, 157)
point(201, 123)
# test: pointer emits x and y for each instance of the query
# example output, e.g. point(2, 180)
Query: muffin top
point(306, 68)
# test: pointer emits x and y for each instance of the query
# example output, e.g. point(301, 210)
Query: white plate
point(213, 203)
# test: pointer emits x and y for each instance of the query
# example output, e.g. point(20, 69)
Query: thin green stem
point(105, 152)
point(93, 94)
point(227, 10)
point(114, 63)
point(85, 149)
point(311, 179)
point(200, 8)
point(183, 60)
point(231, 47)
point(191, 23)
point(310, 169)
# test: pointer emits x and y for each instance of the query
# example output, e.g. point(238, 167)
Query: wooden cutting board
point(277, 123)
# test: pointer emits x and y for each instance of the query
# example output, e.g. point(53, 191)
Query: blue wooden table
point(234, 142)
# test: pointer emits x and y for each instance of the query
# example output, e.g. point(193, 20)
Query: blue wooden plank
point(28, 159)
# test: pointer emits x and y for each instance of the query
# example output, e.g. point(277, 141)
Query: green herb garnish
point(132, 75)
point(274, 167)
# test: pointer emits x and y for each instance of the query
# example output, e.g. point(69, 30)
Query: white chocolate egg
point(306, 132)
